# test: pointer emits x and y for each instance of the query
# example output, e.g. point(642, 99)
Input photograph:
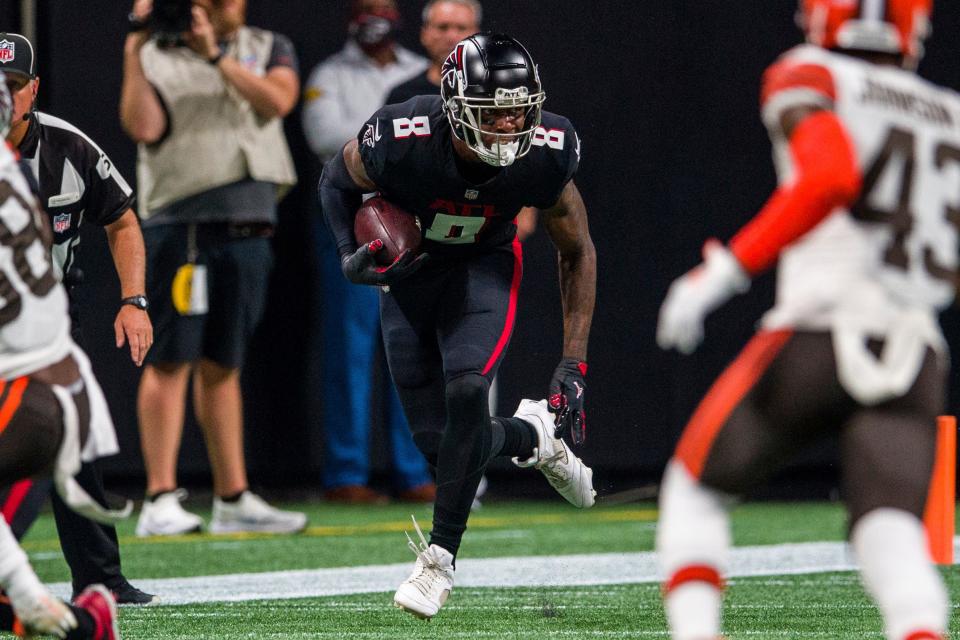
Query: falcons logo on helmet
point(453, 69)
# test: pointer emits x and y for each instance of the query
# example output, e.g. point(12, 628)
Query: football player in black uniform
point(465, 163)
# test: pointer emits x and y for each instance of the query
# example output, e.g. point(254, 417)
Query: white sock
point(16, 574)
point(693, 539)
point(897, 571)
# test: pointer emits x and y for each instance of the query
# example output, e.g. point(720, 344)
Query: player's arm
point(129, 257)
point(566, 223)
point(141, 113)
point(825, 176)
point(342, 185)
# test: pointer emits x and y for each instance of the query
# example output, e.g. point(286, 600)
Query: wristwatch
point(139, 301)
point(215, 60)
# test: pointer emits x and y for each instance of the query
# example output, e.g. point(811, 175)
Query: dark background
point(665, 97)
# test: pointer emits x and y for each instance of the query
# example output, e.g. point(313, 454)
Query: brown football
point(399, 230)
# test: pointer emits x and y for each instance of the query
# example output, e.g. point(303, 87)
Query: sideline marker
point(941, 499)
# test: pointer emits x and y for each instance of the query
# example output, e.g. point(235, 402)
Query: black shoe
point(126, 593)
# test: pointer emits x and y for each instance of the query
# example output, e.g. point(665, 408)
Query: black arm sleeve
point(340, 197)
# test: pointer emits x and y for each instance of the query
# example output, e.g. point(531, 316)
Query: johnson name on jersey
point(896, 246)
point(34, 326)
point(407, 152)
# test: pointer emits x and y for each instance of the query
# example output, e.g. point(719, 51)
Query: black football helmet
point(491, 72)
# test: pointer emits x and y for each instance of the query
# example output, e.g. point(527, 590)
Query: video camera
point(169, 20)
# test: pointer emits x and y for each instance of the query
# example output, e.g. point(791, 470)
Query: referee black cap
point(16, 55)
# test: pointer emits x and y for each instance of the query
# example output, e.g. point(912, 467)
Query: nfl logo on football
point(7, 50)
point(61, 222)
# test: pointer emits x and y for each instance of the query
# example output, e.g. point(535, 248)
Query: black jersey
point(408, 153)
point(77, 182)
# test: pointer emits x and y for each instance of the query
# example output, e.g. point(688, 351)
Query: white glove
point(39, 611)
point(695, 294)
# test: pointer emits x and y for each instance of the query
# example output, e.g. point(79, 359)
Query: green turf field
point(824, 605)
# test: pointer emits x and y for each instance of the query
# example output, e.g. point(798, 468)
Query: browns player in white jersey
point(52, 412)
point(864, 224)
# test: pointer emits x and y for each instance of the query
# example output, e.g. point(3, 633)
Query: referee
point(77, 182)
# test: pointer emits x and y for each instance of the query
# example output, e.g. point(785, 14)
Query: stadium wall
point(664, 95)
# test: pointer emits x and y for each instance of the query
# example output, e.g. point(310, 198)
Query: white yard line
point(526, 571)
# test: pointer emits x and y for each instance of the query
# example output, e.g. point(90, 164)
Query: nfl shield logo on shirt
point(471, 194)
point(7, 50)
point(61, 222)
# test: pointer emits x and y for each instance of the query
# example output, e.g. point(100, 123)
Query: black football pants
point(445, 332)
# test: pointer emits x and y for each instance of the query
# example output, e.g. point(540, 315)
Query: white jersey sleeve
point(901, 236)
point(34, 325)
point(884, 266)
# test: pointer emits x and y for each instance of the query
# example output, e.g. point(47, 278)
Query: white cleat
point(564, 471)
point(165, 517)
point(252, 514)
point(427, 588)
point(41, 613)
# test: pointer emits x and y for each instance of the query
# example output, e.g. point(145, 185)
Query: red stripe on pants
point(18, 492)
point(511, 307)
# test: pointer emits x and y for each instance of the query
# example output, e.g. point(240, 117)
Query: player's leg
point(21, 502)
point(408, 322)
point(162, 394)
point(31, 430)
point(769, 401)
point(888, 453)
point(240, 262)
point(474, 326)
point(408, 314)
point(412, 476)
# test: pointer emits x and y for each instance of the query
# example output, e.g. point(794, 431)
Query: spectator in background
point(212, 164)
point(77, 182)
point(341, 92)
point(445, 23)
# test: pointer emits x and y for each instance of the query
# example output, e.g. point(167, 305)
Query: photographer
point(212, 163)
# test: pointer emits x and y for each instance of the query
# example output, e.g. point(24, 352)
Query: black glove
point(360, 267)
point(566, 399)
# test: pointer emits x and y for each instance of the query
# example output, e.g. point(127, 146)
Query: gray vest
point(215, 137)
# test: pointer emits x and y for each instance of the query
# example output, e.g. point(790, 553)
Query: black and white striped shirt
point(77, 182)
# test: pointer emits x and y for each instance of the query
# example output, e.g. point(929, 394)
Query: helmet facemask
point(467, 115)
